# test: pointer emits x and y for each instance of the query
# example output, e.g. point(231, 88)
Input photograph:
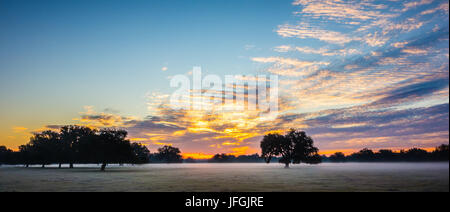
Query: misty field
point(231, 177)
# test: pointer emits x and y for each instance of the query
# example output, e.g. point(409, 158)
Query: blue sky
point(68, 49)
point(66, 62)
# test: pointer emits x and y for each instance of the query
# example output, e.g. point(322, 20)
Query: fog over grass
point(231, 177)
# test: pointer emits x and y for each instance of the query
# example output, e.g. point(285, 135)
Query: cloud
point(93, 119)
point(410, 92)
point(287, 61)
point(375, 39)
point(165, 68)
point(321, 51)
point(339, 10)
point(303, 31)
point(414, 51)
point(19, 129)
point(353, 128)
point(442, 7)
point(289, 66)
point(399, 44)
point(415, 4)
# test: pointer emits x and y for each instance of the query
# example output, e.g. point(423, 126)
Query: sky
point(352, 74)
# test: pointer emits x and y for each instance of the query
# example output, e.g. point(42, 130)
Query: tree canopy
point(77, 144)
point(294, 147)
point(169, 154)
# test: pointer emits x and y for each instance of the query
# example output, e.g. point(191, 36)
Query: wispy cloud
point(415, 4)
point(289, 66)
point(339, 10)
point(442, 7)
point(321, 51)
point(303, 30)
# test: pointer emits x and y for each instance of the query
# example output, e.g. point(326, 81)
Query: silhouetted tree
point(295, 147)
point(113, 147)
point(222, 158)
point(272, 146)
point(416, 154)
point(337, 157)
point(26, 155)
point(249, 158)
point(169, 154)
point(386, 155)
point(45, 147)
point(441, 153)
point(140, 153)
point(71, 137)
point(6, 155)
point(363, 155)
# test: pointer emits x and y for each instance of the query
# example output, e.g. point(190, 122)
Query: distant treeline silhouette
point(441, 153)
point(83, 145)
point(226, 158)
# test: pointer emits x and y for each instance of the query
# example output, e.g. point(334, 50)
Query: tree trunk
point(103, 167)
point(286, 166)
point(71, 166)
point(59, 166)
point(43, 165)
point(26, 165)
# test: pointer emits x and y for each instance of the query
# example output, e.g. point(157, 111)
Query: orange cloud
point(19, 129)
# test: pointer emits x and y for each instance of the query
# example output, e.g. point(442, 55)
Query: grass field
point(231, 177)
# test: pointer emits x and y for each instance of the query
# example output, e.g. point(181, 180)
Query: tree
point(112, 147)
point(271, 146)
point(140, 153)
point(337, 157)
point(71, 137)
point(441, 153)
point(255, 158)
point(295, 147)
point(169, 154)
point(416, 154)
point(385, 155)
point(26, 154)
point(363, 155)
point(222, 158)
point(45, 147)
point(6, 155)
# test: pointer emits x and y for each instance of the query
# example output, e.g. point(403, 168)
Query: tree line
point(440, 153)
point(227, 158)
point(83, 145)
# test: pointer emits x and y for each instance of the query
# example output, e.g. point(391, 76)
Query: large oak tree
point(294, 147)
